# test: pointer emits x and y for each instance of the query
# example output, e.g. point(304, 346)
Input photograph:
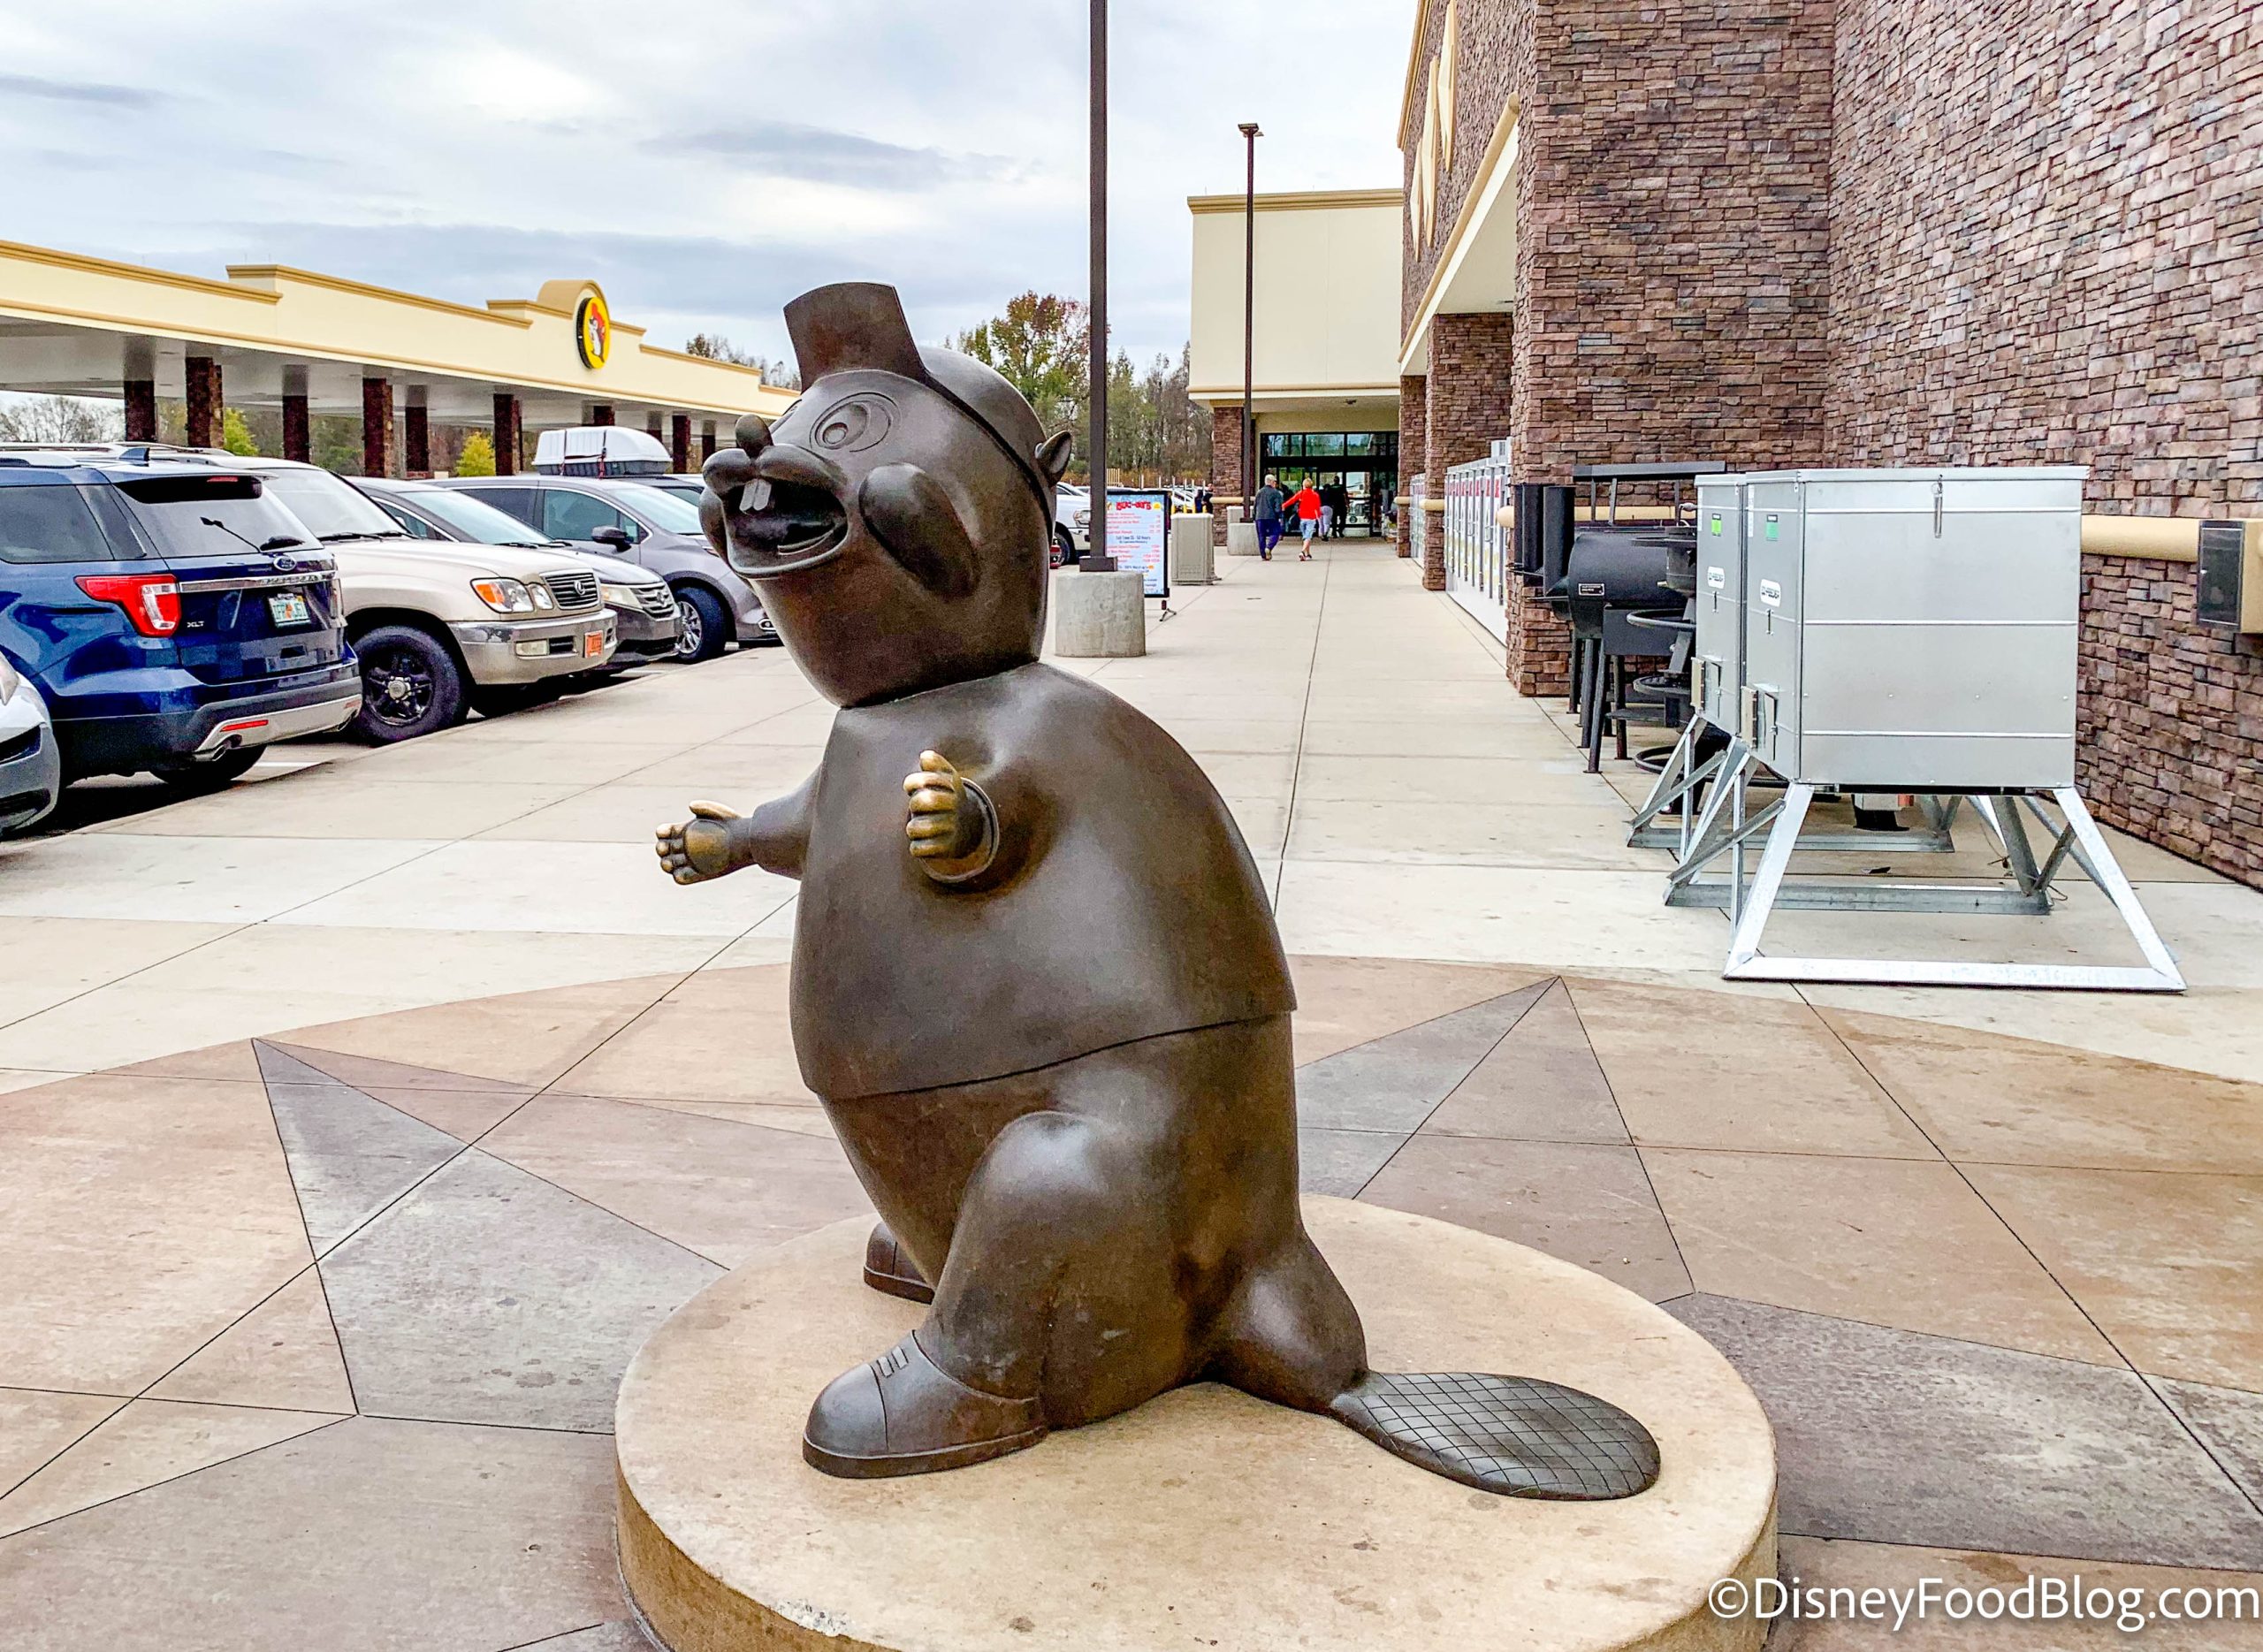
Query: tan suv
point(440, 626)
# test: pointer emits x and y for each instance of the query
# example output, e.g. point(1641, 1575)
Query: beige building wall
point(1327, 311)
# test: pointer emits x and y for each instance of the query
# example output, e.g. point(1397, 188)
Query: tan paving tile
point(1587, 1204)
point(1344, 1002)
point(46, 961)
point(2209, 1030)
point(725, 1190)
point(1572, 832)
point(282, 1355)
point(2170, 1265)
point(619, 813)
point(519, 1038)
point(37, 1425)
point(1985, 1097)
point(139, 1217)
point(1693, 1071)
point(1888, 1242)
point(349, 805)
point(233, 1059)
point(148, 1442)
point(364, 1533)
point(1858, 1567)
point(724, 1035)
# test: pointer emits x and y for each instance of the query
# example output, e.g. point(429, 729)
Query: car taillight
point(152, 601)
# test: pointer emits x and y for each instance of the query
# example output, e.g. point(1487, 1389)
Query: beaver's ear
point(908, 511)
point(1053, 456)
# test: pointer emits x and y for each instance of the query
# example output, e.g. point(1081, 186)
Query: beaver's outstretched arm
point(717, 841)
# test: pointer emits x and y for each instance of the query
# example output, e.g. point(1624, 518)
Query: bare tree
point(69, 419)
point(716, 347)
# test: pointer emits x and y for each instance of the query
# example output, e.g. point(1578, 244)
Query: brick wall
point(1414, 451)
point(2170, 718)
point(2048, 247)
point(1493, 66)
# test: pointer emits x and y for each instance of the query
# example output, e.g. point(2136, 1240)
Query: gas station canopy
point(78, 326)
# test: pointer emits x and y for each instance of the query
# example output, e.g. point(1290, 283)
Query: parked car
point(31, 769)
point(440, 629)
point(1072, 524)
point(643, 607)
point(174, 614)
point(651, 526)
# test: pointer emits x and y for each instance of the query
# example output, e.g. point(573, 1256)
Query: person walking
point(1303, 504)
point(1328, 513)
point(1268, 517)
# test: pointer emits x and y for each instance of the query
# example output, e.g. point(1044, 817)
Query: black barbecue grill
point(1602, 571)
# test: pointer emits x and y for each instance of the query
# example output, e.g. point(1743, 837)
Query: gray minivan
point(650, 526)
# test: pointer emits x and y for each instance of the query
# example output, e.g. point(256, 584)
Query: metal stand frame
point(1681, 784)
point(1724, 824)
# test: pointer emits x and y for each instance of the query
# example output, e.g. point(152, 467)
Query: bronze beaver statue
point(1036, 980)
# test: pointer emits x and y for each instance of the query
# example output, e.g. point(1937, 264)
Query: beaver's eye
point(855, 424)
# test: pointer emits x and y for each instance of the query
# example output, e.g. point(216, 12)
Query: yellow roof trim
point(279, 273)
point(137, 272)
point(1301, 199)
point(709, 360)
point(1233, 392)
point(1503, 130)
point(1411, 97)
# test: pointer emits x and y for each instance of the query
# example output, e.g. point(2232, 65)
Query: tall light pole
point(1250, 133)
point(1097, 557)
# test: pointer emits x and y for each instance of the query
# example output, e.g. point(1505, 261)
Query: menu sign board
point(1139, 536)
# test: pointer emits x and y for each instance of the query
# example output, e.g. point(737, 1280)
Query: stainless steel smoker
point(1898, 631)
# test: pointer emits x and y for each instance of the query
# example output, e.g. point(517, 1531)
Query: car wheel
point(207, 774)
point(1064, 548)
point(704, 626)
point(411, 685)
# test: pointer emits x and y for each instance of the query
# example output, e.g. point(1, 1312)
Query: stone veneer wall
point(1225, 465)
point(2169, 716)
point(2047, 247)
point(1466, 410)
point(1414, 451)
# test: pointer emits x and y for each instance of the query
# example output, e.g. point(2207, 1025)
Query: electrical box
point(1912, 630)
point(1716, 649)
point(2231, 576)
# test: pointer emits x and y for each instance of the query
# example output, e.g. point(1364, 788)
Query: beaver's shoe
point(904, 1414)
point(888, 1267)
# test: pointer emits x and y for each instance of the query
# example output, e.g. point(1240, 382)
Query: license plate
point(593, 644)
point(288, 608)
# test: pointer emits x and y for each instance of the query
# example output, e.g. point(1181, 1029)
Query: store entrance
point(1356, 470)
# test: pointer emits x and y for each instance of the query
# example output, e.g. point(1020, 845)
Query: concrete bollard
point(1241, 538)
point(1100, 615)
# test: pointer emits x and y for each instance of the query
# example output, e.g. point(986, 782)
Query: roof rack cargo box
point(599, 449)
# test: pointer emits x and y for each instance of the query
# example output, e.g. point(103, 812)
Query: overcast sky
point(705, 164)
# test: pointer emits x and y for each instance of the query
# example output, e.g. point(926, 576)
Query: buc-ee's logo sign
point(592, 331)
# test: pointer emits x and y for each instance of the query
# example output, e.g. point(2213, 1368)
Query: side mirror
point(616, 537)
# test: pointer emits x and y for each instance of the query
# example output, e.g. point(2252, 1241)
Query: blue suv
point(173, 616)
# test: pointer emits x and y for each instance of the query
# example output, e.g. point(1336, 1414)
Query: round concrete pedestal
point(1205, 1517)
point(1101, 615)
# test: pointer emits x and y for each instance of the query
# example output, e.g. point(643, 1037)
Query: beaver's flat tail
point(1514, 1435)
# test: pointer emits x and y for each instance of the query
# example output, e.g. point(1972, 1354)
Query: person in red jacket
point(1303, 504)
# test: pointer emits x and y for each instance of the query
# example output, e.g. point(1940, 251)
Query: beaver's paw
point(951, 827)
point(701, 847)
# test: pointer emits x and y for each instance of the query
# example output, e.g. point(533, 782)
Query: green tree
point(235, 435)
point(1038, 346)
point(478, 458)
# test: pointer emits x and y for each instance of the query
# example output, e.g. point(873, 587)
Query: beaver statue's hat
point(855, 325)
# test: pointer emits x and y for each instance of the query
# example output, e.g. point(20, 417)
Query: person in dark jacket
point(1268, 517)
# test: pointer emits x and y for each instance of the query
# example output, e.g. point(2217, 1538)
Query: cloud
point(80, 92)
point(783, 149)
